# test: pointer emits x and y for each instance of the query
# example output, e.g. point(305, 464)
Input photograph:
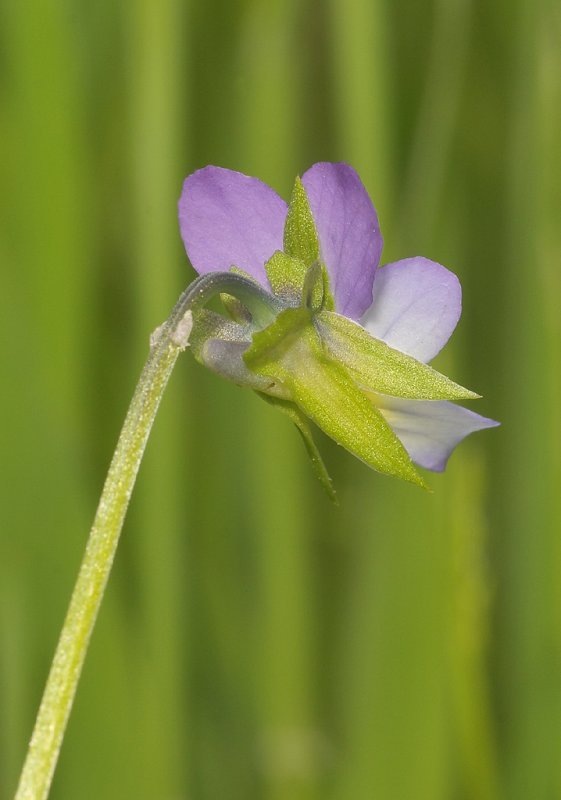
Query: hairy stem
point(168, 341)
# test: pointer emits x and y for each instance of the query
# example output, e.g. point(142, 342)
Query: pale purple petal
point(348, 231)
point(430, 429)
point(229, 219)
point(417, 304)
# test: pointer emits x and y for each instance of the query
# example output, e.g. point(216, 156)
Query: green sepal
point(376, 366)
point(290, 353)
point(280, 340)
point(297, 417)
point(313, 290)
point(286, 276)
point(301, 239)
point(235, 308)
point(300, 235)
point(243, 273)
point(297, 284)
point(328, 299)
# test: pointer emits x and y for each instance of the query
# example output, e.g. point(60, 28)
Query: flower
point(344, 342)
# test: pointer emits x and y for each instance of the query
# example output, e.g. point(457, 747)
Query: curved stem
point(170, 339)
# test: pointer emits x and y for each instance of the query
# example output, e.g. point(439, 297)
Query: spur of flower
point(315, 326)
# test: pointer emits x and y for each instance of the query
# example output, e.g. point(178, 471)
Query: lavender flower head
point(342, 341)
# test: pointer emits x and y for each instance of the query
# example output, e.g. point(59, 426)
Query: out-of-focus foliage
point(255, 642)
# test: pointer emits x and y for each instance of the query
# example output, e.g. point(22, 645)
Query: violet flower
point(342, 341)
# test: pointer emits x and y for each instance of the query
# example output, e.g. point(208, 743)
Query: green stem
point(67, 663)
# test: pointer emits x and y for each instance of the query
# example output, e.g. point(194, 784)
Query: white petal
point(417, 304)
point(430, 429)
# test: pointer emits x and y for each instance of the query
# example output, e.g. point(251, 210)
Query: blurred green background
point(256, 642)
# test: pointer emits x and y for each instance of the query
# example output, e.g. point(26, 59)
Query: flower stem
point(168, 341)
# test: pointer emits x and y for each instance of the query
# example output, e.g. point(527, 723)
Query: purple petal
point(430, 429)
point(348, 231)
point(229, 219)
point(417, 305)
